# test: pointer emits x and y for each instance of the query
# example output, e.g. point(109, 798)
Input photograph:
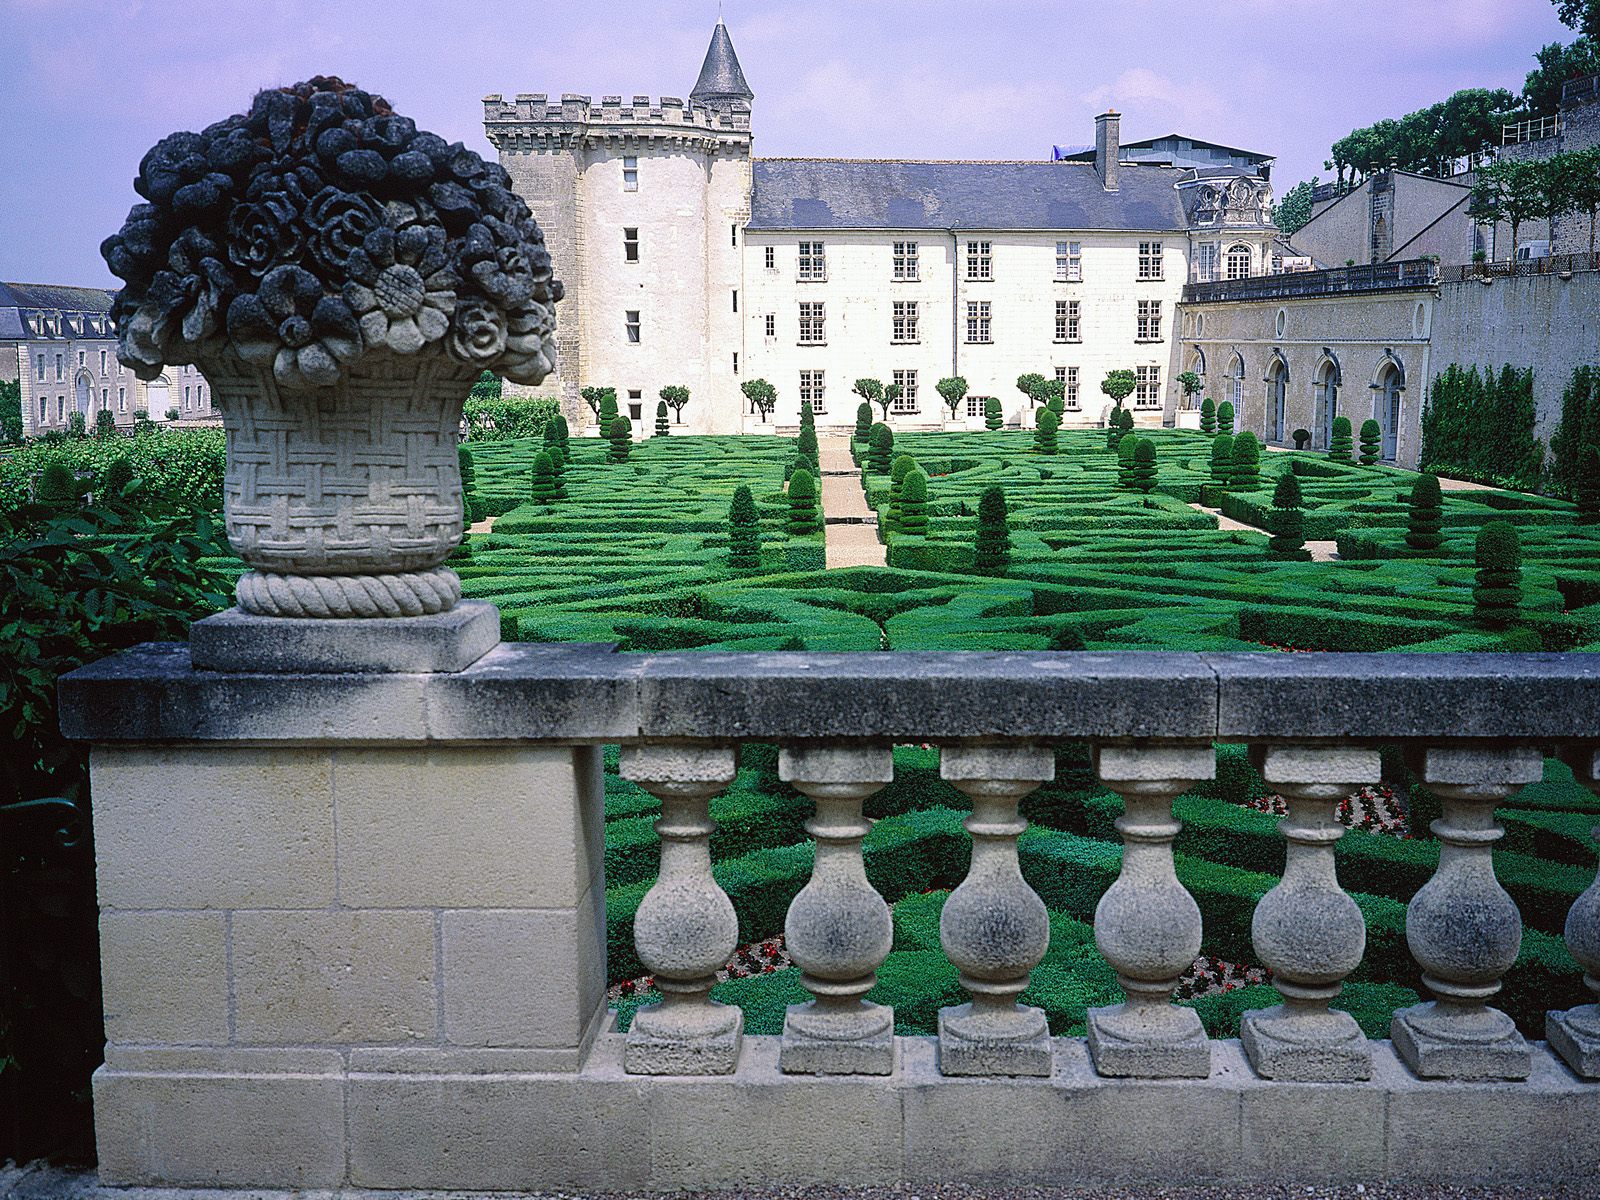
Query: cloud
point(1141, 90)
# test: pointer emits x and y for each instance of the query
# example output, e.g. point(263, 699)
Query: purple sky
point(89, 85)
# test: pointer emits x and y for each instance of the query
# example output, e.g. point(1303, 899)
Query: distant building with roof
point(689, 261)
point(57, 342)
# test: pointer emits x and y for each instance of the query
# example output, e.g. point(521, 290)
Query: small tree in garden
point(1189, 381)
point(1222, 459)
point(556, 438)
point(808, 417)
point(1055, 396)
point(608, 411)
point(1425, 520)
point(993, 417)
point(952, 390)
point(1125, 449)
point(675, 397)
point(1587, 487)
point(663, 423)
point(913, 520)
point(891, 394)
point(1302, 439)
point(871, 390)
point(804, 516)
point(1287, 520)
point(621, 438)
point(105, 423)
point(1119, 385)
point(1339, 442)
point(77, 428)
point(1208, 416)
point(1245, 473)
point(880, 445)
point(1044, 433)
point(992, 544)
point(57, 485)
point(1225, 417)
point(1142, 476)
point(762, 395)
point(1498, 595)
point(1371, 442)
point(744, 532)
point(592, 396)
point(542, 479)
point(469, 486)
point(1032, 386)
point(863, 421)
point(118, 478)
point(806, 446)
point(902, 466)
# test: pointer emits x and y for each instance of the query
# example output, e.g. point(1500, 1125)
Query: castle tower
point(643, 206)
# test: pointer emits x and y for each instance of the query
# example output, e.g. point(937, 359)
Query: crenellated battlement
point(532, 118)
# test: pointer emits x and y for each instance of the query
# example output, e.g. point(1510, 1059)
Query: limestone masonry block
point(418, 826)
point(164, 977)
point(334, 976)
point(213, 827)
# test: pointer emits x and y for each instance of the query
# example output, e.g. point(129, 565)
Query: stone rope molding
point(413, 594)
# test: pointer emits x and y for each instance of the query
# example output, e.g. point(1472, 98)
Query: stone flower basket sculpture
point(341, 279)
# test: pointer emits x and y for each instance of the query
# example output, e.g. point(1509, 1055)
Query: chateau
point(691, 261)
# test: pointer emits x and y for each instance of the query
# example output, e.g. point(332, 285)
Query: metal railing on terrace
point(1532, 130)
point(1580, 91)
point(1550, 264)
point(1409, 275)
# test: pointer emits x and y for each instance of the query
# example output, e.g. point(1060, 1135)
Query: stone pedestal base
point(973, 1045)
point(1148, 1042)
point(859, 1042)
point(1305, 1047)
point(240, 642)
point(1575, 1035)
point(655, 1049)
point(1439, 1041)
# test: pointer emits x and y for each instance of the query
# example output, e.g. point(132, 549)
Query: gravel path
point(851, 527)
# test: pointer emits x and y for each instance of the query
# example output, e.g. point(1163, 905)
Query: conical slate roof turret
point(721, 81)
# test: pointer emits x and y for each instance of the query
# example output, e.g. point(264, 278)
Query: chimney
point(1107, 147)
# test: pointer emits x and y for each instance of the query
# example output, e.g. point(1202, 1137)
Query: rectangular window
point(980, 261)
point(975, 405)
point(44, 409)
point(61, 367)
point(811, 328)
point(771, 260)
point(41, 366)
point(61, 408)
point(1069, 378)
point(735, 299)
point(1150, 260)
point(105, 398)
point(905, 260)
point(1069, 262)
point(978, 321)
point(1149, 329)
point(80, 359)
point(811, 391)
point(102, 362)
point(735, 362)
point(122, 399)
point(1148, 392)
point(630, 322)
point(812, 265)
point(905, 320)
point(906, 401)
point(630, 174)
point(772, 325)
point(186, 392)
point(635, 404)
point(630, 244)
point(1067, 323)
point(733, 235)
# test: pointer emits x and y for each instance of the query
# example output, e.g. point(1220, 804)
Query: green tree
point(608, 412)
point(117, 480)
point(1055, 392)
point(557, 438)
point(1425, 518)
point(1189, 381)
point(10, 410)
point(663, 423)
point(620, 436)
point(1225, 417)
point(871, 390)
point(1044, 433)
point(676, 397)
point(1583, 16)
point(807, 449)
point(1142, 478)
point(993, 417)
point(913, 520)
point(744, 532)
point(1371, 442)
point(1032, 386)
point(1506, 190)
point(902, 466)
point(992, 543)
point(1340, 443)
point(863, 421)
point(808, 417)
point(105, 423)
point(57, 485)
point(1541, 90)
point(891, 394)
point(1587, 491)
point(1245, 473)
point(1119, 385)
point(1287, 519)
point(1208, 417)
point(762, 395)
point(593, 396)
point(1294, 210)
point(1125, 449)
point(1584, 185)
point(77, 427)
point(1579, 428)
point(880, 446)
point(1497, 597)
point(952, 390)
point(542, 479)
point(804, 515)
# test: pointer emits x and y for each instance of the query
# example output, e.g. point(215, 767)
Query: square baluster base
point(668, 1052)
point(809, 1050)
point(1305, 1047)
point(966, 1050)
point(1575, 1035)
point(1183, 1051)
point(1502, 1053)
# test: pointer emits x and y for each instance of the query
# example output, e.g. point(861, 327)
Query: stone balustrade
point(353, 926)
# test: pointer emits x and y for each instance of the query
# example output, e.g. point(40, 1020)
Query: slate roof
point(720, 76)
point(18, 298)
point(1077, 152)
point(836, 193)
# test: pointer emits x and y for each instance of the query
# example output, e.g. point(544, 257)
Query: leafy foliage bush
point(1225, 417)
point(804, 515)
point(1587, 488)
point(1125, 451)
point(1340, 444)
point(1302, 439)
point(1142, 475)
point(1208, 416)
point(863, 421)
point(663, 423)
point(807, 448)
point(1287, 520)
point(471, 503)
point(744, 531)
point(913, 519)
point(872, 391)
point(1425, 518)
point(497, 419)
point(543, 486)
point(880, 446)
point(1244, 474)
point(105, 423)
point(903, 464)
point(1497, 597)
point(1221, 459)
point(557, 439)
point(992, 546)
point(1480, 427)
point(10, 410)
point(993, 416)
point(608, 412)
point(1371, 442)
point(620, 434)
point(1044, 433)
point(1578, 431)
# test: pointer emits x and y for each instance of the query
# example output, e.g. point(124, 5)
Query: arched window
point(1277, 399)
point(1238, 262)
point(1327, 403)
point(1236, 386)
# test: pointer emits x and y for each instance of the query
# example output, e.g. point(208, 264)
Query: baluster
point(1462, 927)
point(1147, 924)
point(1575, 1033)
point(685, 928)
point(994, 927)
point(1306, 929)
point(839, 929)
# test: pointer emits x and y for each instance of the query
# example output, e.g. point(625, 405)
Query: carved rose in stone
point(290, 324)
point(339, 222)
point(530, 349)
point(266, 231)
point(478, 334)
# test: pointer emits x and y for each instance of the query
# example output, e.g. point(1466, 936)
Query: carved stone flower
point(142, 338)
point(401, 288)
point(194, 291)
point(266, 230)
point(530, 352)
point(290, 323)
point(339, 222)
point(478, 334)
